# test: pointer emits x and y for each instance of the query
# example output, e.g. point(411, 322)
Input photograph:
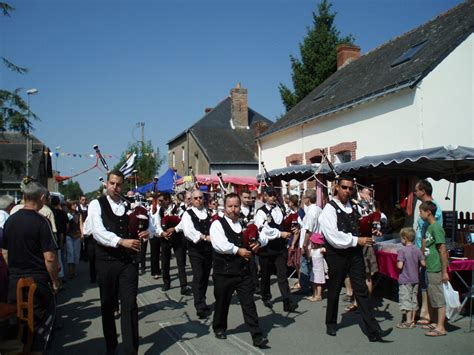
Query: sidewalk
point(168, 325)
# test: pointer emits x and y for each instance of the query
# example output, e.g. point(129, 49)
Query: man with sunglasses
point(340, 226)
point(195, 224)
point(274, 252)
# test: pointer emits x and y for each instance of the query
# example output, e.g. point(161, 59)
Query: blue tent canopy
point(165, 183)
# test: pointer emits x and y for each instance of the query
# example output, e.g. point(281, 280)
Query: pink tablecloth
point(387, 263)
point(461, 265)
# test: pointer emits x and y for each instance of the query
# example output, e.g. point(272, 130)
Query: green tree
point(15, 115)
point(147, 162)
point(318, 56)
point(71, 190)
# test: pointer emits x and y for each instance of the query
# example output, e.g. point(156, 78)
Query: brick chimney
point(346, 53)
point(239, 107)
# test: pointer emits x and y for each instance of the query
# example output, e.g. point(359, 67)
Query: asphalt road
point(168, 325)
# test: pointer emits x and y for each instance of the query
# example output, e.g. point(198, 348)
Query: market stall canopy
point(453, 163)
point(297, 172)
point(165, 183)
point(214, 180)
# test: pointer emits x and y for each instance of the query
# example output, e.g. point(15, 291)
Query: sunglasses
point(197, 198)
point(345, 187)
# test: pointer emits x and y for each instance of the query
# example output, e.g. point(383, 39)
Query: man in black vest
point(231, 265)
point(165, 220)
point(246, 216)
point(89, 242)
point(268, 220)
point(195, 224)
point(340, 226)
point(117, 264)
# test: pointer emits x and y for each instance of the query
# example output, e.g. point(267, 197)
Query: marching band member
point(117, 264)
point(231, 266)
point(195, 224)
point(246, 216)
point(268, 220)
point(340, 226)
point(165, 222)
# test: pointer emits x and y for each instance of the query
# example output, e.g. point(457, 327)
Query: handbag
point(453, 305)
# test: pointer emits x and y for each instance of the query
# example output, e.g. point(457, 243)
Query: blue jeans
point(305, 269)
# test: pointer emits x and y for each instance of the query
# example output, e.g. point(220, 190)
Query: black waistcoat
point(230, 264)
point(117, 225)
point(202, 226)
point(244, 220)
point(277, 245)
point(347, 223)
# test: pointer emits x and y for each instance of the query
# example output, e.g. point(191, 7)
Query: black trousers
point(266, 262)
point(117, 275)
point(176, 242)
point(143, 249)
point(224, 287)
point(340, 264)
point(254, 272)
point(201, 264)
point(155, 244)
point(91, 256)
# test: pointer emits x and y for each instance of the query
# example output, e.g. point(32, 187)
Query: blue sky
point(101, 66)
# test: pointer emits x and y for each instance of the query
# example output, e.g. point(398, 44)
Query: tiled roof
point(374, 74)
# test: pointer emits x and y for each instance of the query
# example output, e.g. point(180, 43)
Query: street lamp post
point(29, 92)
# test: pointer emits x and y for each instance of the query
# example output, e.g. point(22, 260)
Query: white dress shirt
point(96, 226)
point(268, 233)
point(219, 241)
point(328, 223)
point(157, 218)
point(187, 225)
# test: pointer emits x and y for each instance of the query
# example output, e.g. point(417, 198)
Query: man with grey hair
point(310, 226)
point(30, 248)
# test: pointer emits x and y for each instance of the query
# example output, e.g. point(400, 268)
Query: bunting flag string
point(90, 156)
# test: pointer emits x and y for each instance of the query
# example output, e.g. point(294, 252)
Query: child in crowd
point(319, 271)
point(408, 261)
point(436, 268)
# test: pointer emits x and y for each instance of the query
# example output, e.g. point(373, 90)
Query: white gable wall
point(439, 111)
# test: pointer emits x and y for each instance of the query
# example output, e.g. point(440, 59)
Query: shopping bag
point(453, 306)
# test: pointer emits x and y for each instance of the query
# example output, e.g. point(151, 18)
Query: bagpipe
point(138, 219)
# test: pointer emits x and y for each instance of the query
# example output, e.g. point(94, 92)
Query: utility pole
point(142, 125)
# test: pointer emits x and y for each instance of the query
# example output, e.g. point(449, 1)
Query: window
point(174, 160)
point(323, 92)
point(343, 157)
point(316, 160)
point(409, 53)
point(182, 155)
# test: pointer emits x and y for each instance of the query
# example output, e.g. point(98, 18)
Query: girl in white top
point(320, 269)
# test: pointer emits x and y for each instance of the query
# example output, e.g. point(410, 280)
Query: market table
point(387, 264)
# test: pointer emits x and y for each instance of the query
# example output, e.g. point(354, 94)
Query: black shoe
point(378, 337)
point(289, 306)
point(186, 291)
point(331, 330)
point(165, 288)
point(268, 304)
point(220, 334)
point(206, 308)
point(260, 342)
point(201, 314)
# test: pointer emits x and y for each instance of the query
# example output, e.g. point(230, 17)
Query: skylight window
point(323, 93)
point(409, 54)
